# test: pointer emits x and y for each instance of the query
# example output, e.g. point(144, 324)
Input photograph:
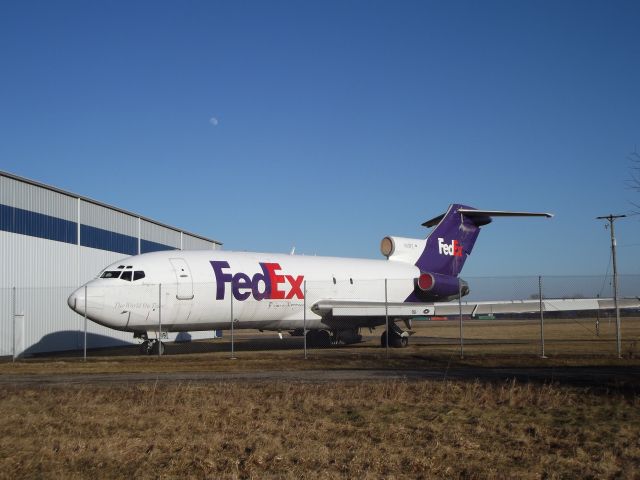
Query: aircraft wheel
point(324, 339)
point(145, 347)
point(318, 338)
point(157, 345)
point(395, 341)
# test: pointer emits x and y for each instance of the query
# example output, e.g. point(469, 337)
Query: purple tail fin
point(449, 244)
point(451, 241)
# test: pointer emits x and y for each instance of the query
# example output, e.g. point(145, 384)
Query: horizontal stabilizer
point(472, 213)
point(501, 213)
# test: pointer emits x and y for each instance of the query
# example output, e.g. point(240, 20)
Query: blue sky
point(328, 125)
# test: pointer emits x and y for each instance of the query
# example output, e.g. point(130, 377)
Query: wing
point(350, 314)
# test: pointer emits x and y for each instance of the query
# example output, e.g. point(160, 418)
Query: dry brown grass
point(574, 336)
point(350, 430)
point(376, 429)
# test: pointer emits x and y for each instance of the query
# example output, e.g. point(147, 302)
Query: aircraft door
point(184, 280)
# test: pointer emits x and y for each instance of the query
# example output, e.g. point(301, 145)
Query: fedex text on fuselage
point(267, 284)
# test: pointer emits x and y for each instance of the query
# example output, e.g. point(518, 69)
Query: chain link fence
point(541, 316)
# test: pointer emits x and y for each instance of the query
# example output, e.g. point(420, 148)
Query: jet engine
point(437, 287)
point(402, 249)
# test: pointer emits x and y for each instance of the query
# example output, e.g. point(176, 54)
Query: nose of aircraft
point(76, 301)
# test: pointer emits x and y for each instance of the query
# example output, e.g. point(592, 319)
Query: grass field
point(350, 429)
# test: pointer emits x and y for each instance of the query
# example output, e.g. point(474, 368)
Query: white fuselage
point(205, 290)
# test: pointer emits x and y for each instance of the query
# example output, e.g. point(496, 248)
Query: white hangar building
point(51, 242)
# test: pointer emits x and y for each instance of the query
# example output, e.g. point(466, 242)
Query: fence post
point(460, 309)
point(542, 355)
point(304, 317)
point(386, 317)
point(159, 320)
point(13, 325)
point(85, 323)
point(233, 356)
point(598, 317)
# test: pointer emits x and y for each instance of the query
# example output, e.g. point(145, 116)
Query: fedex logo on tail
point(453, 249)
point(268, 284)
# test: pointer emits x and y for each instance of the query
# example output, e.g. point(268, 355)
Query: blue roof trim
point(147, 246)
point(110, 207)
point(94, 237)
point(39, 225)
point(33, 224)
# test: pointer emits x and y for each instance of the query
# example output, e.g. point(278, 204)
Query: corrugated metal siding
point(160, 235)
point(45, 272)
point(37, 199)
point(36, 262)
point(106, 219)
point(6, 315)
point(190, 242)
point(93, 261)
point(6, 191)
point(105, 229)
point(45, 323)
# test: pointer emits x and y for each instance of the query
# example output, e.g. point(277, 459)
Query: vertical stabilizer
point(455, 233)
point(450, 242)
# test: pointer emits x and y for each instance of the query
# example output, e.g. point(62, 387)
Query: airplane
point(328, 299)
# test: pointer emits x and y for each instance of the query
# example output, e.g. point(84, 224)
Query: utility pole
point(612, 218)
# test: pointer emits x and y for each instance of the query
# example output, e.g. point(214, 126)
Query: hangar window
point(138, 275)
point(111, 274)
point(126, 276)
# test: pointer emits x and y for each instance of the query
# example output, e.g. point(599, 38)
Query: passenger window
point(138, 275)
point(111, 274)
point(126, 276)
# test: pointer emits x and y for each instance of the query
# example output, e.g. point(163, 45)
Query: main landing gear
point(319, 339)
point(328, 338)
point(398, 338)
point(149, 346)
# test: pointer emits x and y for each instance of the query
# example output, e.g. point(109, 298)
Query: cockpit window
point(126, 275)
point(110, 274)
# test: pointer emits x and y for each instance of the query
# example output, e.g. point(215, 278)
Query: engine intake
point(402, 248)
point(435, 286)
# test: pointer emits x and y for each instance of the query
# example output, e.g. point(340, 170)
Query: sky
point(328, 125)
